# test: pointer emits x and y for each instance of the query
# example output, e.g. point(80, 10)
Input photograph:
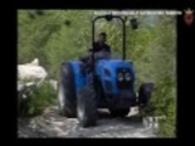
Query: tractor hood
point(109, 72)
point(106, 67)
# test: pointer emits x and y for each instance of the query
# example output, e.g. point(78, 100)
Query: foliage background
point(57, 35)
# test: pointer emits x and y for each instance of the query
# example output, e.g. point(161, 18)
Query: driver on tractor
point(100, 49)
point(100, 44)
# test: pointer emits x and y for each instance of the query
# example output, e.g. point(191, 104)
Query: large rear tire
point(86, 106)
point(66, 93)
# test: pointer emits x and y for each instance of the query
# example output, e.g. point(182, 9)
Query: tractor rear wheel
point(67, 95)
point(119, 112)
point(86, 106)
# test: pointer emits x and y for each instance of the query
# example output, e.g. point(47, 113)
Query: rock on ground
point(30, 76)
point(31, 71)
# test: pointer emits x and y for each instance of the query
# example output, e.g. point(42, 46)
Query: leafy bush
point(39, 99)
point(168, 126)
point(167, 77)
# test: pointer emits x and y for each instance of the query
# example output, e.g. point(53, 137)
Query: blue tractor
point(110, 84)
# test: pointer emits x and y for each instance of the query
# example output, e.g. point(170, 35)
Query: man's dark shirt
point(97, 47)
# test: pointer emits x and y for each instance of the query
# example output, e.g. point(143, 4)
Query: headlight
point(120, 77)
point(127, 76)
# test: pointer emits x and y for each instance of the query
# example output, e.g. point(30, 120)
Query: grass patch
point(35, 103)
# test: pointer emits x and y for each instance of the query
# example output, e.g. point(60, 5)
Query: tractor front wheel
point(86, 106)
point(145, 92)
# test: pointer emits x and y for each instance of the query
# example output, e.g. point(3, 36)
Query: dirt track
point(51, 124)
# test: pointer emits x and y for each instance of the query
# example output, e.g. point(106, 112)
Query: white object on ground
point(30, 76)
point(31, 71)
